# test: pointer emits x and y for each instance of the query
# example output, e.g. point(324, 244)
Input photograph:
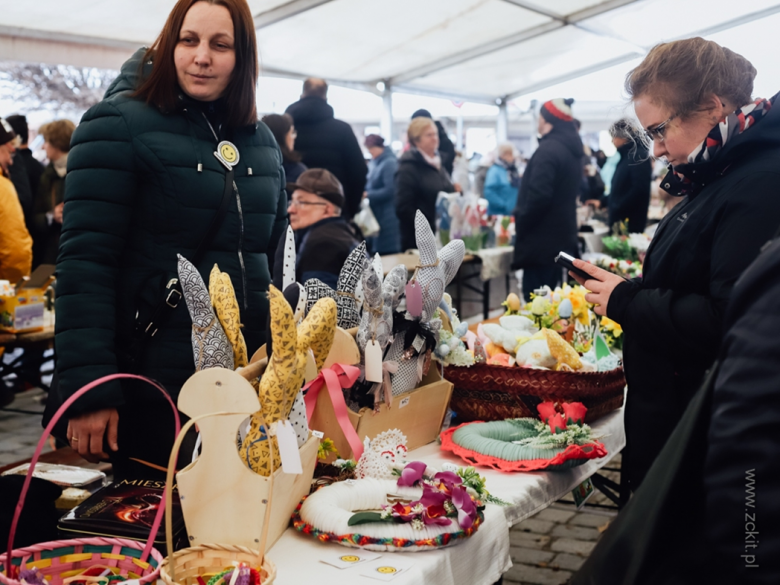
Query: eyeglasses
point(658, 132)
point(297, 203)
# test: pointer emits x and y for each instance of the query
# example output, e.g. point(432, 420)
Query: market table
point(480, 560)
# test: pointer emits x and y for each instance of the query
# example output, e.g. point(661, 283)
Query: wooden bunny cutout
point(285, 372)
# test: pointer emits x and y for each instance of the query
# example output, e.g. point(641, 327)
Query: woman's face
point(428, 141)
point(205, 54)
point(290, 138)
point(680, 136)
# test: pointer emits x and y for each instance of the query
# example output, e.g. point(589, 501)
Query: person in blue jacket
point(380, 190)
point(502, 182)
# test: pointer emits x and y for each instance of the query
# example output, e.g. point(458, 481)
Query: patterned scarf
point(677, 183)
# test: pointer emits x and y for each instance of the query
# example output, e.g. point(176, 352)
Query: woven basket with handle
point(185, 566)
point(61, 559)
point(486, 392)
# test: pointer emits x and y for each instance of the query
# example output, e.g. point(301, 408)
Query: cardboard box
point(23, 312)
point(418, 415)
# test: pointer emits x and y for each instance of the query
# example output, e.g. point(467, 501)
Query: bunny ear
point(393, 285)
point(352, 269)
point(288, 274)
point(282, 326)
point(426, 242)
point(316, 290)
point(317, 330)
point(196, 295)
point(372, 287)
point(451, 257)
point(377, 264)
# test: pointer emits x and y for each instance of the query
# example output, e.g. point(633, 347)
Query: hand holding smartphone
point(567, 262)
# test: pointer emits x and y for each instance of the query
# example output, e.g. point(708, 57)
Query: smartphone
point(568, 263)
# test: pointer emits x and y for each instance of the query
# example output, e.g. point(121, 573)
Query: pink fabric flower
point(403, 512)
point(546, 410)
point(467, 511)
point(449, 479)
point(557, 423)
point(432, 497)
point(412, 474)
point(574, 412)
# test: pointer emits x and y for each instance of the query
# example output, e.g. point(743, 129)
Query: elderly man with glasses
point(323, 238)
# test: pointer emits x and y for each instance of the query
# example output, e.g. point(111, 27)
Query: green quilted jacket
point(134, 199)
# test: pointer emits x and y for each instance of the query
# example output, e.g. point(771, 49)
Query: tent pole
point(502, 122)
point(386, 123)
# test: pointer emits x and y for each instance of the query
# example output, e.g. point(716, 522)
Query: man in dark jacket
point(327, 143)
point(323, 239)
point(31, 165)
point(629, 196)
point(446, 147)
point(708, 509)
point(546, 212)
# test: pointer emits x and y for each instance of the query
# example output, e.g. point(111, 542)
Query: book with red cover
point(125, 509)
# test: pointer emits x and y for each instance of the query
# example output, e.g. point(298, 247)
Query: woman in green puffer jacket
point(143, 186)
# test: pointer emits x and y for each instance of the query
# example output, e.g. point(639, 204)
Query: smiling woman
point(172, 161)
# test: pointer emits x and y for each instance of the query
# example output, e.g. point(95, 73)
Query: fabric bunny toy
point(210, 344)
point(380, 300)
point(416, 337)
point(223, 299)
point(346, 293)
point(283, 377)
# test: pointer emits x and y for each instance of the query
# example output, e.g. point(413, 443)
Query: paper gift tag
point(373, 361)
point(350, 559)
point(288, 447)
point(311, 367)
point(414, 299)
point(387, 568)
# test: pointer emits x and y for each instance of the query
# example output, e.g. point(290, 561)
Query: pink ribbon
point(335, 378)
point(385, 387)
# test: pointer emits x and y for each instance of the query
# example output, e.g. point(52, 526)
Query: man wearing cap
point(546, 211)
point(323, 238)
point(15, 240)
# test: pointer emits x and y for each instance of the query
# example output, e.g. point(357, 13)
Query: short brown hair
point(417, 127)
point(314, 86)
point(160, 87)
point(58, 133)
point(683, 75)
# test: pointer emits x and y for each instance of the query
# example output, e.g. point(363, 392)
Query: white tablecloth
point(480, 560)
point(495, 262)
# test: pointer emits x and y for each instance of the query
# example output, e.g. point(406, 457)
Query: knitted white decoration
point(386, 451)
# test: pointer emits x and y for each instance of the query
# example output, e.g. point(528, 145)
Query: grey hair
point(628, 130)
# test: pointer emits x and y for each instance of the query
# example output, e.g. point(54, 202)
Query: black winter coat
point(135, 199)
point(629, 196)
point(46, 236)
point(417, 185)
point(327, 143)
point(446, 149)
point(672, 318)
point(713, 494)
point(546, 212)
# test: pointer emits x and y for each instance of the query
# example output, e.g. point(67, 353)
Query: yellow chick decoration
point(285, 372)
point(223, 299)
point(562, 351)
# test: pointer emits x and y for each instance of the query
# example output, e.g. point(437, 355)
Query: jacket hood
point(310, 110)
point(130, 74)
point(567, 135)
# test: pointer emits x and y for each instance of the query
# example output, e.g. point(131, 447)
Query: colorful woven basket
point(489, 444)
point(61, 559)
point(485, 392)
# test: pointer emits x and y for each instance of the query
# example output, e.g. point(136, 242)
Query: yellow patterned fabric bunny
point(284, 375)
point(223, 299)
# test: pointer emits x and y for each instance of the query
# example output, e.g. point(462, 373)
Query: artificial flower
point(546, 410)
point(412, 474)
point(574, 412)
point(436, 515)
point(557, 423)
point(467, 510)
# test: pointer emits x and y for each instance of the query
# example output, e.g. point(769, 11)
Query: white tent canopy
point(474, 50)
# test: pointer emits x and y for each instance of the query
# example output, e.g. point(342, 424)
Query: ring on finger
point(73, 440)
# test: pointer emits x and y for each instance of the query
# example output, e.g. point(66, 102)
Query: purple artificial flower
point(412, 474)
point(432, 497)
point(467, 511)
point(449, 478)
point(405, 513)
point(436, 515)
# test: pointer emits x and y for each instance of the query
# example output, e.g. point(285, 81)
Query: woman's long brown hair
point(161, 88)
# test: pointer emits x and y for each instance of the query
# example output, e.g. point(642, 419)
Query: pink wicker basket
point(61, 559)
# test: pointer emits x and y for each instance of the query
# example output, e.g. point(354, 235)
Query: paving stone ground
point(549, 547)
point(19, 433)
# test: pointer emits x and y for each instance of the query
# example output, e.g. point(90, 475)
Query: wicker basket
point(486, 392)
point(185, 566)
point(61, 559)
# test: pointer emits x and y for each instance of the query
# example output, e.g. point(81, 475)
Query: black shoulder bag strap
point(173, 294)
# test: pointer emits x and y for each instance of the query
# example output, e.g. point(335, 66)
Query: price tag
point(310, 371)
point(414, 299)
point(373, 361)
point(288, 447)
point(582, 492)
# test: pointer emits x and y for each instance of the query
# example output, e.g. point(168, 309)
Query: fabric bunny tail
point(223, 298)
point(210, 345)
